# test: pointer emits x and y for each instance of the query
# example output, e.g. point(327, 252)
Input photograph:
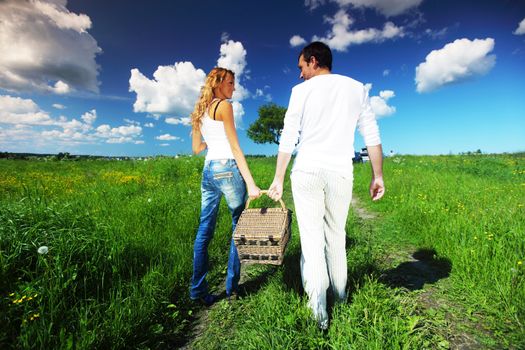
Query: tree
point(267, 128)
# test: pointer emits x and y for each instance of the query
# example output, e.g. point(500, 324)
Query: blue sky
point(121, 77)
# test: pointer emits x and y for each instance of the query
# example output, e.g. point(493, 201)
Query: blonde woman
point(225, 173)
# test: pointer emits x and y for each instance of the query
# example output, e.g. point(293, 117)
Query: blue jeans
point(219, 177)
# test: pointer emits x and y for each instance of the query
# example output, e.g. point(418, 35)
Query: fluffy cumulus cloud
point(176, 121)
point(521, 28)
point(16, 110)
point(89, 117)
point(297, 40)
point(175, 89)
point(380, 103)
point(46, 48)
point(341, 37)
point(22, 120)
point(457, 61)
point(120, 134)
point(58, 106)
point(167, 137)
point(387, 8)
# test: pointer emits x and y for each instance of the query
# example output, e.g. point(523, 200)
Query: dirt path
point(201, 317)
point(417, 272)
point(424, 277)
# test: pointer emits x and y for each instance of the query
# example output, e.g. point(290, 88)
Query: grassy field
point(120, 235)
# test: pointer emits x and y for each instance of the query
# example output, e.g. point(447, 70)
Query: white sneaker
point(321, 316)
point(322, 324)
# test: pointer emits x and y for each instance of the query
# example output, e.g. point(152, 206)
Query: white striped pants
point(322, 200)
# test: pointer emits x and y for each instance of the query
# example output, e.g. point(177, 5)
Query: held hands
point(377, 188)
point(275, 191)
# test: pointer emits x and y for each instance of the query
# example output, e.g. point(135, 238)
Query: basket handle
point(266, 193)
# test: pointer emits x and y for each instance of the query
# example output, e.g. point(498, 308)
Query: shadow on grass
point(425, 267)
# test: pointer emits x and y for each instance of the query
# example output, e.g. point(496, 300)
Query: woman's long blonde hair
point(213, 80)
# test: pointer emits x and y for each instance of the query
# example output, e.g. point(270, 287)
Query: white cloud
point(17, 105)
point(175, 121)
point(132, 122)
point(386, 72)
point(521, 28)
point(61, 88)
point(149, 125)
point(380, 104)
point(29, 126)
point(455, 62)
point(164, 144)
point(89, 117)
point(387, 8)
point(167, 137)
point(297, 40)
point(15, 110)
point(122, 139)
point(120, 134)
point(260, 93)
point(46, 48)
point(173, 89)
point(62, 18)
point(313, 4)
point(139, 142)
point(340, 38)
point(233, 57)
point(436, 34)
point(58, 106)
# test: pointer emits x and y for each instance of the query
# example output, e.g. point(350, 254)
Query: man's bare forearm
point(375, 153)
point(283, 159)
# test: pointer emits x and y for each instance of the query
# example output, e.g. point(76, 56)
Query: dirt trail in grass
point(201, 317)
point(416, 272)
point(423, 277)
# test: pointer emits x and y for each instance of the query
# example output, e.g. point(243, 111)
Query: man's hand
point(275, 191)
point(377, 188)
point(253, 191)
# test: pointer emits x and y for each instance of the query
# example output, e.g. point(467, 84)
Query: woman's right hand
point(253, 191)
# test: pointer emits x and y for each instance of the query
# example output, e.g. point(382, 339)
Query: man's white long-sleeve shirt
point(321, 119)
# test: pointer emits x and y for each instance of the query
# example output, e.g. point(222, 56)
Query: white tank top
point(215, 138)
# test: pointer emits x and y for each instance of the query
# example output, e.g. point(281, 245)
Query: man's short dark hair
point(320, 51)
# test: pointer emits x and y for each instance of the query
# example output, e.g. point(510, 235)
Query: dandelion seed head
point(43, 250)
point(149, 200)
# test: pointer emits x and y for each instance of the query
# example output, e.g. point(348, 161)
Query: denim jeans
point(219, 177)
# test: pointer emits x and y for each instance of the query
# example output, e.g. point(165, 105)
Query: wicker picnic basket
point(262, 234)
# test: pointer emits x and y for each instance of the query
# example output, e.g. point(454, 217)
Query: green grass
point(120, 238)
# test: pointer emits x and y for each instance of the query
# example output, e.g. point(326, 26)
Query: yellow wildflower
point(520, 262)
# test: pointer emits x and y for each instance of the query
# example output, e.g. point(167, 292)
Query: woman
point(225, 173)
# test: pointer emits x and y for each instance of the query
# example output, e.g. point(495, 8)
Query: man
point(319, 125)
